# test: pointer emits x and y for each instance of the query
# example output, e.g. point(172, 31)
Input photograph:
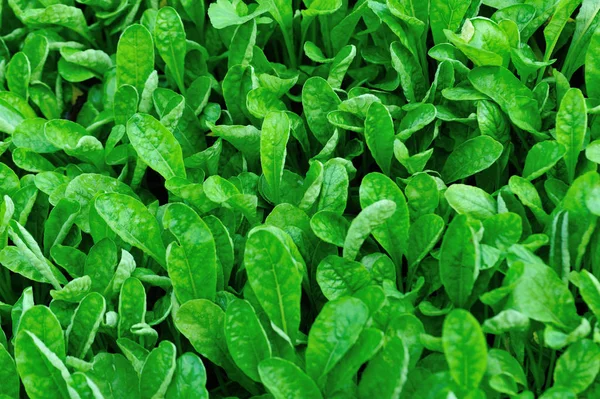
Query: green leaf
point(125, 103)
point(471, 157)
point(459, 260)
point(72, 138)
point(18, 75)
point(341, 62)
point(117, 209)
point(39, 354)
point(242, 329)
point(471, 201)
point(334, 191)
point(114, 376)
point(586, 23)
point(338, 277)
point(189, 379)
point(84, 189)
point(511, 95)
point(192, 265)
point(423, 235)
point(74, 291)
point(84, 325)
point(59, 222)
point(542, 157)
point(132, 306)
point(571, 126)
point(446, 14)
point(8, 372)
point(318, 99)
point(28, 258)
point(592, 72)
point(379, 135)
point(367, 220)
point(242, 43)
point(202, 322)
point(30, 135)
point(169, 38)
point(502, 230)
point(135, 57)
point(156, 145)
point(386, 373)
point(483, 41)
point(541, 295)
point(285, 380)
point(333, 333)
point(223, 13)
point(409, 72)
point(577, 368)
point(368, 344)
point(158, 371)
point(393, 233)
point(60, 15)
point(581, 220)
point(40, 321)
point(236, 85)
point(590, 290)
point(553, 30)
point(465, 348)
point(275, 278)
point(260, 101)
point(52, 379)
point(330, 227)
point(282, 13)
point(273, 140)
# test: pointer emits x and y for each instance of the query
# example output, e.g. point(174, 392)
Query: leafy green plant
point(290, 199)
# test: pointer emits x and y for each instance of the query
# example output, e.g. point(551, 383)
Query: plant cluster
point(285, 199)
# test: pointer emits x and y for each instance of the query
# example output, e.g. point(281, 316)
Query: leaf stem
point(534, 368)
point(289, 44)
point(550, 369)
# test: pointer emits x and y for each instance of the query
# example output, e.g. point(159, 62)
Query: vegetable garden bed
point(316, 199)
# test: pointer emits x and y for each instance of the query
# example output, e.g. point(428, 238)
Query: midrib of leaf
point(182, 135)
point(574, 153)
point(286, 37)
point(451, 17)
point(464, 270)
point(461, 168)
point(257, 357)
point(343, 278)
point(585, 239)
point(545, 301)
point(139, 243)
point(466, 364)
point(63, 231)
point(53, 371)
point(176, 70)
point(162, 388)
point(571, 122)
point(39, 264)
point(279, 296)
point(90, 337)
point(412, 8)
point(137, 57)
point(576, 44)
point(463, 273)
point(332, 352)
point(50, 367)
point(477, 206)
point(155, 149)
point(190, 274)
point(275, 165)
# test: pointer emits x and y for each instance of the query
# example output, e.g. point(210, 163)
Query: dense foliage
point(294, 199)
